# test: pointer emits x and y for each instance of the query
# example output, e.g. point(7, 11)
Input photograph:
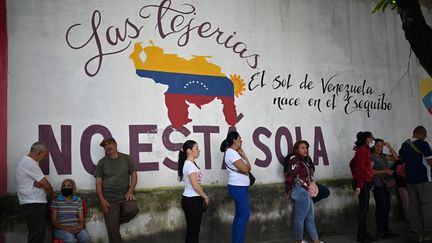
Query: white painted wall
point(47, 83)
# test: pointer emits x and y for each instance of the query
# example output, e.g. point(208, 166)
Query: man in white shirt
point(32, 187)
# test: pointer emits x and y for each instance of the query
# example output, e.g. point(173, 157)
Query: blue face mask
point(372, 144)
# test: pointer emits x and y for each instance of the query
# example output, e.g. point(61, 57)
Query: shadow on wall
point(161, 218)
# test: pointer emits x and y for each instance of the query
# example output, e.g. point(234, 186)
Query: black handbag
point(251, 178)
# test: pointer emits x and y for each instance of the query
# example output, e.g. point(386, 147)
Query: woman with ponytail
point(361, 169)
point(193, 197)
point(238, 167)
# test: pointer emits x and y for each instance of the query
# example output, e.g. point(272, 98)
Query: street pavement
point(400, 228)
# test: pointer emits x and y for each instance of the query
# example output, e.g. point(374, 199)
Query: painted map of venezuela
point(195, 81)
point(426, 93)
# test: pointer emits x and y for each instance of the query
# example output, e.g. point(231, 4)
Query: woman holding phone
point(238, 168)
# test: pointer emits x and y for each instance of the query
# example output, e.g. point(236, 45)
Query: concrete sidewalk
point(400, 228)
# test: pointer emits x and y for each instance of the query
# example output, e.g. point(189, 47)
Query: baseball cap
point(107, 141)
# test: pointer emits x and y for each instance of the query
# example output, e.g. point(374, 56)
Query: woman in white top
point(238, 168)
point(194, 197)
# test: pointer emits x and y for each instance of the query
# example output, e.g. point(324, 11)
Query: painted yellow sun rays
point(239, 85)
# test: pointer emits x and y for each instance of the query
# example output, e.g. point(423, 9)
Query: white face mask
point(372, 144)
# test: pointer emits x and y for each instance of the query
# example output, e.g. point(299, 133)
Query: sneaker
point(303, 241)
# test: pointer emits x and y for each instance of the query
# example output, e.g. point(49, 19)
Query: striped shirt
point(67, 211)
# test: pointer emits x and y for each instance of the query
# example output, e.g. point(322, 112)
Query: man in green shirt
point(116, 178)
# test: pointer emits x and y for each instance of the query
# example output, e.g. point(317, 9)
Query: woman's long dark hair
point(229, 140)
point(297, 146)
point(361, 138)
point(308, 159)
point(183, 156)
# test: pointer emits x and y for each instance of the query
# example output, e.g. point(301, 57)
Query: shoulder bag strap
point(230, 167)
point(197, 166)
point(413, 146)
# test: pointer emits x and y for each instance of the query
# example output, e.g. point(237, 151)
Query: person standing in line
point(67, 215)
point(194, 200)
point(323, 191)
point(361, 169)
point(301, 187)
point(32, 190)
point(116, 178)
point(417, 155)
point(382, 176)
point(238, 167)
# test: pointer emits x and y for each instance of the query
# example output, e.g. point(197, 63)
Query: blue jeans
point(303, 213)
point(242, 212)
point(82, 237)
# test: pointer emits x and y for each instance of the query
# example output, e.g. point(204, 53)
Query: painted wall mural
point(426, 93)
point(194, 81)
point(157, 72)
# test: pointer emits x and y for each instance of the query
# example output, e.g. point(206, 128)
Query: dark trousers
point(420, 206)
point(363, 199)
point(323, 192)
point(119, 213)
point(36, 217)
point(382, 210)
point(192, 207)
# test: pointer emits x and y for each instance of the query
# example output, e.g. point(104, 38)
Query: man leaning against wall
point(32, 190)
point(417, 155)
point(116, 178)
